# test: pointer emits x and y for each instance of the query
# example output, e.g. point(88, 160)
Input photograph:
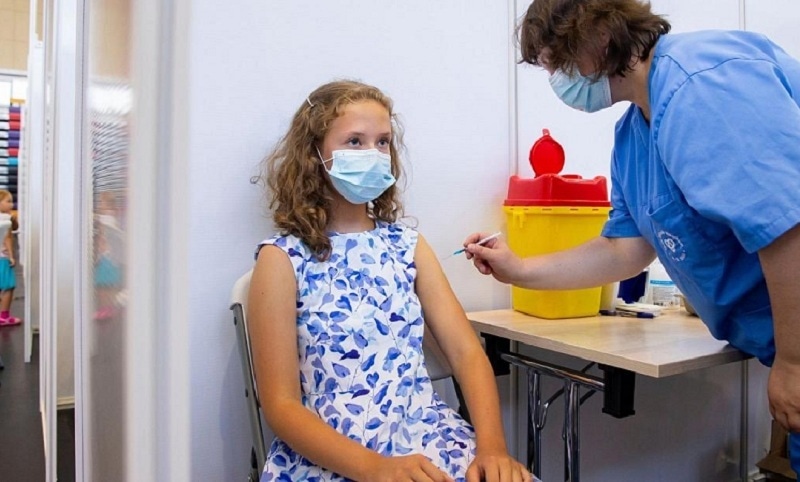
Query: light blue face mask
point(359, 175)
point(581, 92)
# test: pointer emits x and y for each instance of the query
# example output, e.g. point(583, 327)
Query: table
point(667, 345)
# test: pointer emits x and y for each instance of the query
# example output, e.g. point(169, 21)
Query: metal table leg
point(537, 412)
point(534, 425)
point(572, 449)
point(744, 413)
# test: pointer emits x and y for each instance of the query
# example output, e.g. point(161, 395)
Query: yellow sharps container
point(550, 213)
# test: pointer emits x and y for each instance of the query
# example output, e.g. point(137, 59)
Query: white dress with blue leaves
point(362, 371)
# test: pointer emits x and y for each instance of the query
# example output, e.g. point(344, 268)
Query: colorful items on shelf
point(10, 136)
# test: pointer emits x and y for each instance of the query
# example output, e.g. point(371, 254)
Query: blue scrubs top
point(715, 175)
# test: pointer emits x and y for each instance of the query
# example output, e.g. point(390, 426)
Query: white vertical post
point(31, 175)
point(513, 169)
point(141, 365)
point(742, 15)
point(744, 443)
point(157, 374)
point(47, 339)
point(83, 235)
point(176, 401)
point(57, 233)
point(513, 108)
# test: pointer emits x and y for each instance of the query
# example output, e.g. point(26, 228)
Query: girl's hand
point(12, 262)
point(407, 468)
point(497, 467)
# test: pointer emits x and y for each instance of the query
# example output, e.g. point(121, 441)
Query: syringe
point(479, 243)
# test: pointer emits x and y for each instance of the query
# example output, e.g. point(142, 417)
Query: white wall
point(253, 66)
point(446, 67)
point(776, 18)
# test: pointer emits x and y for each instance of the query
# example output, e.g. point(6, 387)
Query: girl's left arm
point(8, 244)
point(449, 325)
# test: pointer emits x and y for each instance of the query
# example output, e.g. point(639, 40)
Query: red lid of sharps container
point(547, 155)
point(549, 188)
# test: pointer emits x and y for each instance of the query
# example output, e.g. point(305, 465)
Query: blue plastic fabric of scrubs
point(794, 452)
point(715, 175)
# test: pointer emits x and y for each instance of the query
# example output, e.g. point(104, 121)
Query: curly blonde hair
point(299, 193)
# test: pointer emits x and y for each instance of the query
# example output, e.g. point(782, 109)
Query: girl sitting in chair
point(336, 315)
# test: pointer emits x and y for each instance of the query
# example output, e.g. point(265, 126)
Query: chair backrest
point(258, 455)
point(435, 361)
point(437, 365)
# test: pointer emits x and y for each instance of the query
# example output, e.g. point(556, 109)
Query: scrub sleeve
point(751, 181)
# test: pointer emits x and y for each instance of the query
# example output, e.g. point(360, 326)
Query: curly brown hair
point(569, 28)
point(299, 192)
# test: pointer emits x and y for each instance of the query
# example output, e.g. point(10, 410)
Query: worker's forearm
point(780, 262)
point(786, 316)
point(594, 263)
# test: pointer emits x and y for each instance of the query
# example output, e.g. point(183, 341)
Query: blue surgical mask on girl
point(360, 175)
point(582, 93)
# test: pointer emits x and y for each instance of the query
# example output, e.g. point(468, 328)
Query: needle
point(479, 243)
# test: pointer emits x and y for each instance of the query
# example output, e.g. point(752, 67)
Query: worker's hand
point(784, 393)
point(494, 258)
point(416, 468)
point(499, 467)
point(12, 261)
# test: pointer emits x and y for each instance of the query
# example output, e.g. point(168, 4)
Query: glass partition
point(106, 157)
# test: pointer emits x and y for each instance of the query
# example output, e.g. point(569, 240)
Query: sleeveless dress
point(362, 370)
point(7, 279)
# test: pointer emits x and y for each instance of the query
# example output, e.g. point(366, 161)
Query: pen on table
point(627, 314)
point(480, 243)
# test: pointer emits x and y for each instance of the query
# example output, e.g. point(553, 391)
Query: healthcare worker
point(705, 174)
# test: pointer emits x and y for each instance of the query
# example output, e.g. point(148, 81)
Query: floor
point(21, 443)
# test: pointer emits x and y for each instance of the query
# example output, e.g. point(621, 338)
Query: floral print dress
point(362, 370)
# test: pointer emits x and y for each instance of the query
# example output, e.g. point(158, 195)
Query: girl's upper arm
point(272, 323)
point(443, 313)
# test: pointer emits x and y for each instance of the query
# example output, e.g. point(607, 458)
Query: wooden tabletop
point(669, 344)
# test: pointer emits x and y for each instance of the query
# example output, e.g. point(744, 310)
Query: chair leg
point(255, 470)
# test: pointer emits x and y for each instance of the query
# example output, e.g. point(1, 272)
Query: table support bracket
point(618, 386)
